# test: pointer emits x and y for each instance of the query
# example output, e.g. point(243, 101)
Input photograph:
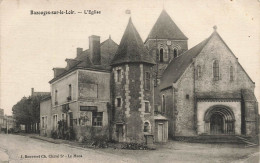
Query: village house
point(80, 93)
point(146, 91)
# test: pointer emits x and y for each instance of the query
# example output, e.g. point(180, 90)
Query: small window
point(147, 81)
point(147, 110)
point(97, 118)
point(198, 72)
point(70, 90)
point(187, 96)
point(231, 73)
point(63, 116)
point(175, 53)
point(146, 127)
point(216, 70)
point(118, 75)
point(161, 55)
point(118, 102)
point(163, 104)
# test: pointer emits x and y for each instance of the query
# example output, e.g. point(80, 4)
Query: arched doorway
point(216, 124)
point(219, 120)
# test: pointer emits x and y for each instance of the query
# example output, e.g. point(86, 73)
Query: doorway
point(120, 132)
point(219, 120)
point(216, 124)
point(160, 132)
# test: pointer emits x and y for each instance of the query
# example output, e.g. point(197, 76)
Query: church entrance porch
point(219, 120)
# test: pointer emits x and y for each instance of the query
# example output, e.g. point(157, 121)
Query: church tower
point(164, 42)
point(132, 89)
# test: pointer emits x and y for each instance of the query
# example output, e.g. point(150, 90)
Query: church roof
point(131, 48)
point(178, 65)
point(165, 28)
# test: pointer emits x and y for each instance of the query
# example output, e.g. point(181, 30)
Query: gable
point(217, 49)
point(213, 48)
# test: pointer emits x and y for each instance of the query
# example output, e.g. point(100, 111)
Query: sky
point(31, 45)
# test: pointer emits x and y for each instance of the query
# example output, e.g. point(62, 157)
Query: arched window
point(146, 127)
point(198, 71)
point(216, 70)
point(163, 104)
point(175, 53)
point(231, 73)
point(161, 55)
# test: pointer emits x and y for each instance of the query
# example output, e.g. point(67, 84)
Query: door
point(120, 133)
point(216, 124)
point(160, 132)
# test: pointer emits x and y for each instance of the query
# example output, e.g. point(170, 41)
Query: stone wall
point(251, 115)
point(131, 90)
point(93, 85)
point(185, 104)
point(162, 43)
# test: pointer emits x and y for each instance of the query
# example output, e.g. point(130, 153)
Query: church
point(153, 90)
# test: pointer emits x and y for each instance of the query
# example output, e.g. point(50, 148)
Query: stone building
point(132, 91)
point(206, 91)
point(80, 92)
point(45, 115)
point(136, 91)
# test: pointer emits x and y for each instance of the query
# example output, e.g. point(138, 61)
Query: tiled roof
point(178, 65)
point(83, 61)
point(165, 28)
point(131, 48)
point(46, 98)
point(41, 94)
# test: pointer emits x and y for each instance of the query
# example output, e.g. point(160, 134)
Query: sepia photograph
point(129, 81)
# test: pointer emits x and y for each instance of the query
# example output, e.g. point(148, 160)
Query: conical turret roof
point(131, 48)
point(165, 28)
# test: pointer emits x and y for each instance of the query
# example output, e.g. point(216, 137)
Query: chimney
point(94, 48)
point(79, 51)
point(32, 91)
